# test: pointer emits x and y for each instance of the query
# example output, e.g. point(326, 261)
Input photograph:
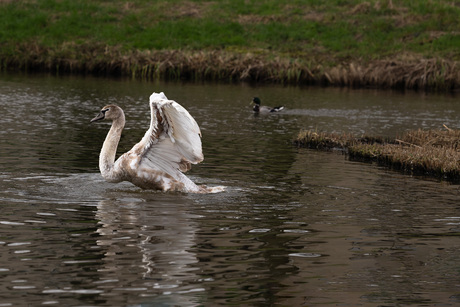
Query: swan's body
point(264, 109)
point(168, 148)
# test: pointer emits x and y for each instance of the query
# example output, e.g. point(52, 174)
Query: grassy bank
point(423, 152)
point(378, 43)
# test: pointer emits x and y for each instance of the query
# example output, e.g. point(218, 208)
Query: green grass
point(327, 32)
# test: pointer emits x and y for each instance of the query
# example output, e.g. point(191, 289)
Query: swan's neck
point(109, 149)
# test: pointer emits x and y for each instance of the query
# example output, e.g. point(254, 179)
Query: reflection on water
point(295, 227)
point(161, 237)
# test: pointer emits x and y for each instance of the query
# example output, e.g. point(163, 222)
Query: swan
point(168, 148)
point(264, 109)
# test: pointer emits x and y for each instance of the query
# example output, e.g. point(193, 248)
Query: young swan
point(168, 148)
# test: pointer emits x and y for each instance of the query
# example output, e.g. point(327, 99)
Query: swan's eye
point(105, 110)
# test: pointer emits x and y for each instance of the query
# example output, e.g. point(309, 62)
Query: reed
point(423, 152)
point(421, 74)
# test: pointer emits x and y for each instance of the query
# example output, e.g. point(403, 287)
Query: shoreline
point(358, 44)
point(431, 153)
point(407, 73)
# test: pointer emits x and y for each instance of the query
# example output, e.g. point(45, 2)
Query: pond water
point(295, 227)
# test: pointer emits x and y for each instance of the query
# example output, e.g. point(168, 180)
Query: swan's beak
point(100, 116)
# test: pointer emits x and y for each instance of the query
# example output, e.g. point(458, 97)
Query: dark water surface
point(295, 227)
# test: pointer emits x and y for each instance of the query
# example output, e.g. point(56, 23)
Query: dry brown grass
point(427, 152)
point(448, 138)
point(416, 73)
point(324, 140)
point(407, 73)
point(186, 9)
point(194, 65)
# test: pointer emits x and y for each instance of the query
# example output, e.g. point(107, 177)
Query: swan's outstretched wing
point(173, 140)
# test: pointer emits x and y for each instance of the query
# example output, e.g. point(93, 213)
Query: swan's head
point(110, 112)
point(256, 100)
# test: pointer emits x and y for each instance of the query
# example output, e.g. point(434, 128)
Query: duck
point(264, 109)
point(168, 149)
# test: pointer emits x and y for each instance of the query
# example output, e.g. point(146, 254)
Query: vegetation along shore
point(376, 43)
point(432, 153)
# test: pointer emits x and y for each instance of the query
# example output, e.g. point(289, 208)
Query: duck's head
point(110, 112)
point(256, 100)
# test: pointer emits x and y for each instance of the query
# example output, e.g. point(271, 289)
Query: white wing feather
point(172, 141)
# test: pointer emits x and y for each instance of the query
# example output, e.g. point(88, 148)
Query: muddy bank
point(434, 153)
point(409, 73)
